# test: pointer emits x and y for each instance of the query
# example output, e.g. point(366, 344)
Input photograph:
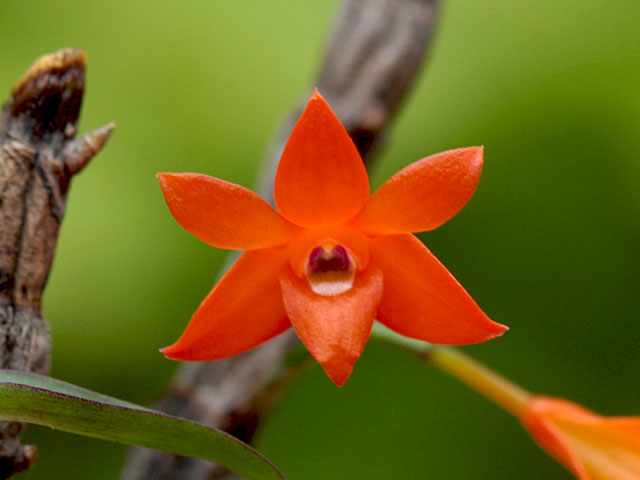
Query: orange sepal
point(336, 328)
point(223, 214)
point(423, 195)
point(321, 179)
point(242, 311)
point(422, 299)
point(592, 446)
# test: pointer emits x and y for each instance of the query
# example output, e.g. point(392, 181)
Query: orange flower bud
point(591, 446)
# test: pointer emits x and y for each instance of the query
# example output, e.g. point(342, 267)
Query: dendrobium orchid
point(591, 446)
point(332, 258)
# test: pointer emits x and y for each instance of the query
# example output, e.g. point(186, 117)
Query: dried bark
point(38, 157)
point(373, 56)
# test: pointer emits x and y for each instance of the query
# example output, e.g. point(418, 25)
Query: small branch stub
point(38, 157)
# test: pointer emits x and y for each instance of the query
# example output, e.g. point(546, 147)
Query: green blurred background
point(549, 245)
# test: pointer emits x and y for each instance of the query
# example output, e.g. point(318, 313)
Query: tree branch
point(38, 157)
point(372, 59)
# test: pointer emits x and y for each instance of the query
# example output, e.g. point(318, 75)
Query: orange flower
point(332, 258)
point(593, 447)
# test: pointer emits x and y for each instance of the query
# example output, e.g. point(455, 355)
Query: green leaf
point(27, 397)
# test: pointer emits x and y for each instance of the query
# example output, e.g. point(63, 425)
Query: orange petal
point(536, 418)
point(609, 448)
point(423, 195)
point(321, 179)
point(336, 328)
point(592, 446)
point(223, 214)
point(242, 311)
point(422, 299)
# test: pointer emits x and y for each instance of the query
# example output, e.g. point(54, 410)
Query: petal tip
point(339, 381)
point(174, 352)
point(316, 95)
point(164, 179)
point(339, 366)
point(475, 153)
point(493, 330)
point(167, 352)
point(338, 374)
point(317, 100)
point(161, 180)
point(498, 330)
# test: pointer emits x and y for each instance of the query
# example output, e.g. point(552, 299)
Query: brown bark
point(372, 59)
point(38, 157)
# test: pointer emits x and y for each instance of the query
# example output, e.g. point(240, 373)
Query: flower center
point(330, 270)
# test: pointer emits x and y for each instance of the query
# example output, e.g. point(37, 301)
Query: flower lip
point(354, 243)
point(330, 270)
point(323, 260)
